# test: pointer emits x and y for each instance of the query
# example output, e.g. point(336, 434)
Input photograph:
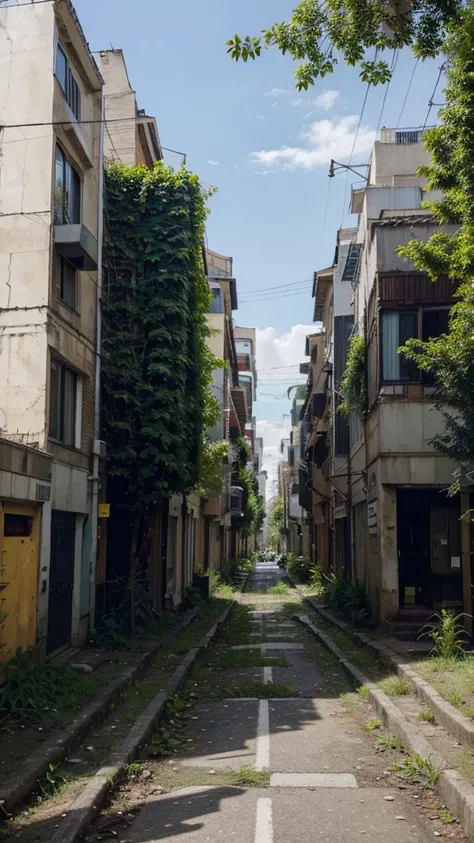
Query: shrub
point(448, 634)
point(349, 598)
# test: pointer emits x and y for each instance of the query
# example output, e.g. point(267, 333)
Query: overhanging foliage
point(353, 384)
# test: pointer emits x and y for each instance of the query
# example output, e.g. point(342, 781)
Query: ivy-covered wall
point(157, 368)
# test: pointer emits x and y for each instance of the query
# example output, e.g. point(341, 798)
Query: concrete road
point(328, 780)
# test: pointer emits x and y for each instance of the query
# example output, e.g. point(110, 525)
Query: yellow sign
point(104, 510)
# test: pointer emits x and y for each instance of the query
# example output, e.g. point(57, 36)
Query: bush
point(349, 598)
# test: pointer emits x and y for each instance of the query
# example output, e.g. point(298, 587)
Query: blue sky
point(270, 207)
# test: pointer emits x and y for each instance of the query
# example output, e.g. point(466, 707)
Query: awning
point(239, 398)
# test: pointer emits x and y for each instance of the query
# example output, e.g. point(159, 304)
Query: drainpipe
point(98, 358)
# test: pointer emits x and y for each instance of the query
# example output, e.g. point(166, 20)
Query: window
point(63, 403)
point(68, 84)
point(216, 304)
point(68, 191)
point(400, 325)
point(67, 282)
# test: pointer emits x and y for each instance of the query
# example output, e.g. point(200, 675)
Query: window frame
point(419, 310)
point(62, 263)
point(70, 188)
point(58, 411)
point(68, 85)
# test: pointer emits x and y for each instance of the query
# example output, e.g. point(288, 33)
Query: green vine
point(157, 367)
point(353, 385)
point(276, 522)
point(252, 504)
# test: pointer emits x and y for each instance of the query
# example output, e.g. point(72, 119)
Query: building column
point(387, 517)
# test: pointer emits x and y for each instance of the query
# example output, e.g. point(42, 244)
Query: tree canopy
point(319, 33)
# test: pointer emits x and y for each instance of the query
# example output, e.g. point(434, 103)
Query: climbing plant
point(276, 522)
point(450, 358)
point(157, 367)
point(353, 384)
point(252, 504)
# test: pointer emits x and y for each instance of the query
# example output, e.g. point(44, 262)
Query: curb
point(446, 714)
point(19, 786)
point(87, 805)
point(455, 791)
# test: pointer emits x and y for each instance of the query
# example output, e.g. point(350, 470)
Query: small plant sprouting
point(390, 741)
point(371, 725)
point(363, 691)
point(426, 716)
point(445, 816)
point(248, 777)
point(420, 770)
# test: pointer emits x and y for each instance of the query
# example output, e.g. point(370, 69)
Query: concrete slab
point(345, 816)
point(307, 738)
point(281, 645)
point(197, 815)
point(313, 780)
point(223, 736)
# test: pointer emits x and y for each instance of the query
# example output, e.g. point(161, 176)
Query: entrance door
point(413, 539)
point(61, 579)
point(19, 544)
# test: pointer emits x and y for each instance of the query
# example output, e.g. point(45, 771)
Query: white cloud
point(297, 102)
point(261, 117)
point(273, 433)
point(325, 139)
point(277, 93)
point(276, 352)
point(327, 99)
point(213, 163)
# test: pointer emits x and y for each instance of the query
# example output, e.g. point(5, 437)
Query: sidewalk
point(273, 744)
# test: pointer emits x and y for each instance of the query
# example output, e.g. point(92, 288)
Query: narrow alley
point(297, 763)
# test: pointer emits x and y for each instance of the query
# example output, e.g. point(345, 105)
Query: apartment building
point(403, 534)
point(50, 232)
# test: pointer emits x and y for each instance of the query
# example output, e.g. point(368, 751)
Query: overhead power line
point(431, 99)
point(407, 92)
point(277, 287)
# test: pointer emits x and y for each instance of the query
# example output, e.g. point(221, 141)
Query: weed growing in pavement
point(363, 692)
point(260, 690)
point(445, 816)
point(292, 607)
point(448, 634)
point(395, 686)
point(421, 770)
point(279, 588)
point(426, 716)
point(170, 735)
point(52, 782)
point(244, 658)
point(390, 741)
point(371, 725)
point(248, 777)
point(133, 769)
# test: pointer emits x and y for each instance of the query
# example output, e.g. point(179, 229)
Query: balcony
point(212, 507)
point(239, 398)
point(320, 484)
point(78, 245)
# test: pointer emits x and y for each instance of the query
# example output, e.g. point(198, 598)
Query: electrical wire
point(369, 84)
point(407, 92)
point(278, 287)
point(392, 70)
point(430, 101)
point(280, 296)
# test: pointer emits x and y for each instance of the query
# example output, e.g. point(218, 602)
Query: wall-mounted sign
point(340, 511)
point(373, 518)
point(104, 510)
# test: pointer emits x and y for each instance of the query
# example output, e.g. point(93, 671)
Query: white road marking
point(267, 674)
point(264, 821)
point(262, 761)
point(313, 780)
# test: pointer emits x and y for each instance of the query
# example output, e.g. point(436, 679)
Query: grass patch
point(256, 689)
point(453, 679)
point(248, 777)
point(291, 607)
point(191, 636)
point(279, 588)
point(395, 686)
point(390, 741)
point(245, 658)
point(371, 725)
point(426, 716)
point(445, 816)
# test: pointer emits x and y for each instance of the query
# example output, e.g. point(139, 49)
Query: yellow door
point(19, 545)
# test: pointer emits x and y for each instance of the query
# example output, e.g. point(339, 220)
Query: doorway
point(19, 546)
point(61, 579)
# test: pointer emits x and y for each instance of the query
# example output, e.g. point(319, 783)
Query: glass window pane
point(75, 200)
point(61, 67)
point(408, 329)
point(390, 358)
point(68, 283)
point(216, 304)
point(59, 198)
point(69, 407)
point(55, 401)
